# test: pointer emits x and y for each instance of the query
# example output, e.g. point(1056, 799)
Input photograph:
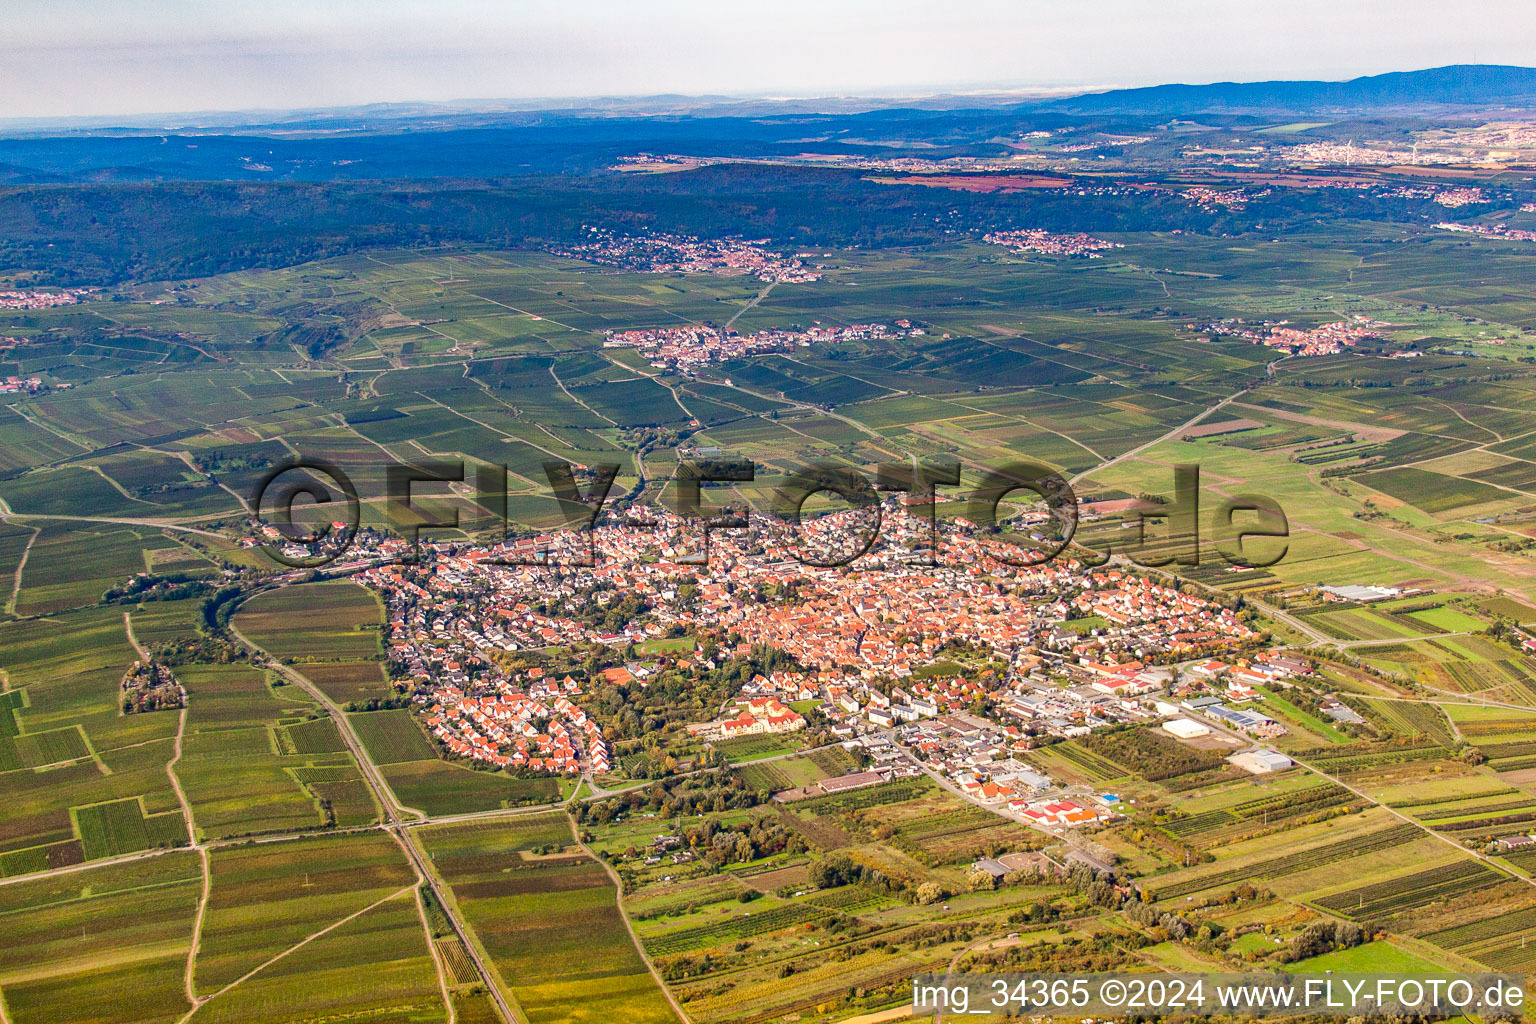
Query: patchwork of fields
point(549, 921)
point(289, 899)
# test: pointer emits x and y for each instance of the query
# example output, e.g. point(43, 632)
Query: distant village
point(685, 254)
point(21, 385)
point(42, 299)
point(1490, 231)
point(1049, 244)
point(1324, 340)
point(695, 345)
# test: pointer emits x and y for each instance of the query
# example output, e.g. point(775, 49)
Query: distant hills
point(1430, 91)
point(510, 138)
point(1459, 85)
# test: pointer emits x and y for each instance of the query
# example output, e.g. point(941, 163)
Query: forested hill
point(1461, 85)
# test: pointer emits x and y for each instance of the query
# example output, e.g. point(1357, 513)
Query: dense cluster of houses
point(685, 254)
point(694, 345)
point(860, 637)
point(20, 385)
point(42, 299)
point(1350, 155)
point(1454, 197)
point(1324, 340)
point(1207, 198)
point(1051, 244)
point(1490, 231)
point(510, 728)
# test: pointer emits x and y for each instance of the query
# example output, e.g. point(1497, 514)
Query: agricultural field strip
point(629, 926)
point(21, 566)
point(202, 849)
point(186, 814)
point(415, 823)
point(1449, 840)
point(299, 945)
point(436, 953)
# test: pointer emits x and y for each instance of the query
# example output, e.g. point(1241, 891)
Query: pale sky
point(92, 57)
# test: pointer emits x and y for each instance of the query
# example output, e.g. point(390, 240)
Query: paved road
point(159, 524)
point(760, 297)
point(1175, 432)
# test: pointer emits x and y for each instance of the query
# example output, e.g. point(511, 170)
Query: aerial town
point(684, 254)
point(860, 636)
point(1324, 340)
point(686, 348)
point(1049, 244)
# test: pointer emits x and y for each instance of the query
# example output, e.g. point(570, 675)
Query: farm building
point(1185, 729)
point(1261, 762)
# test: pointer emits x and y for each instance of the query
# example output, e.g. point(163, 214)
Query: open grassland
point(1370, 958)
point(551, 923)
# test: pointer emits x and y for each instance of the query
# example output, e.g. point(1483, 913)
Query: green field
point(236, 767)
point(436, 788)
point(145, 910)
point(392, 736)
point(550, 923)
point(1371, 958)
point(322, 622)
point(265, 900)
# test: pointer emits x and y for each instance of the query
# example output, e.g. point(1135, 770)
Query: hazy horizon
point(89, 58)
